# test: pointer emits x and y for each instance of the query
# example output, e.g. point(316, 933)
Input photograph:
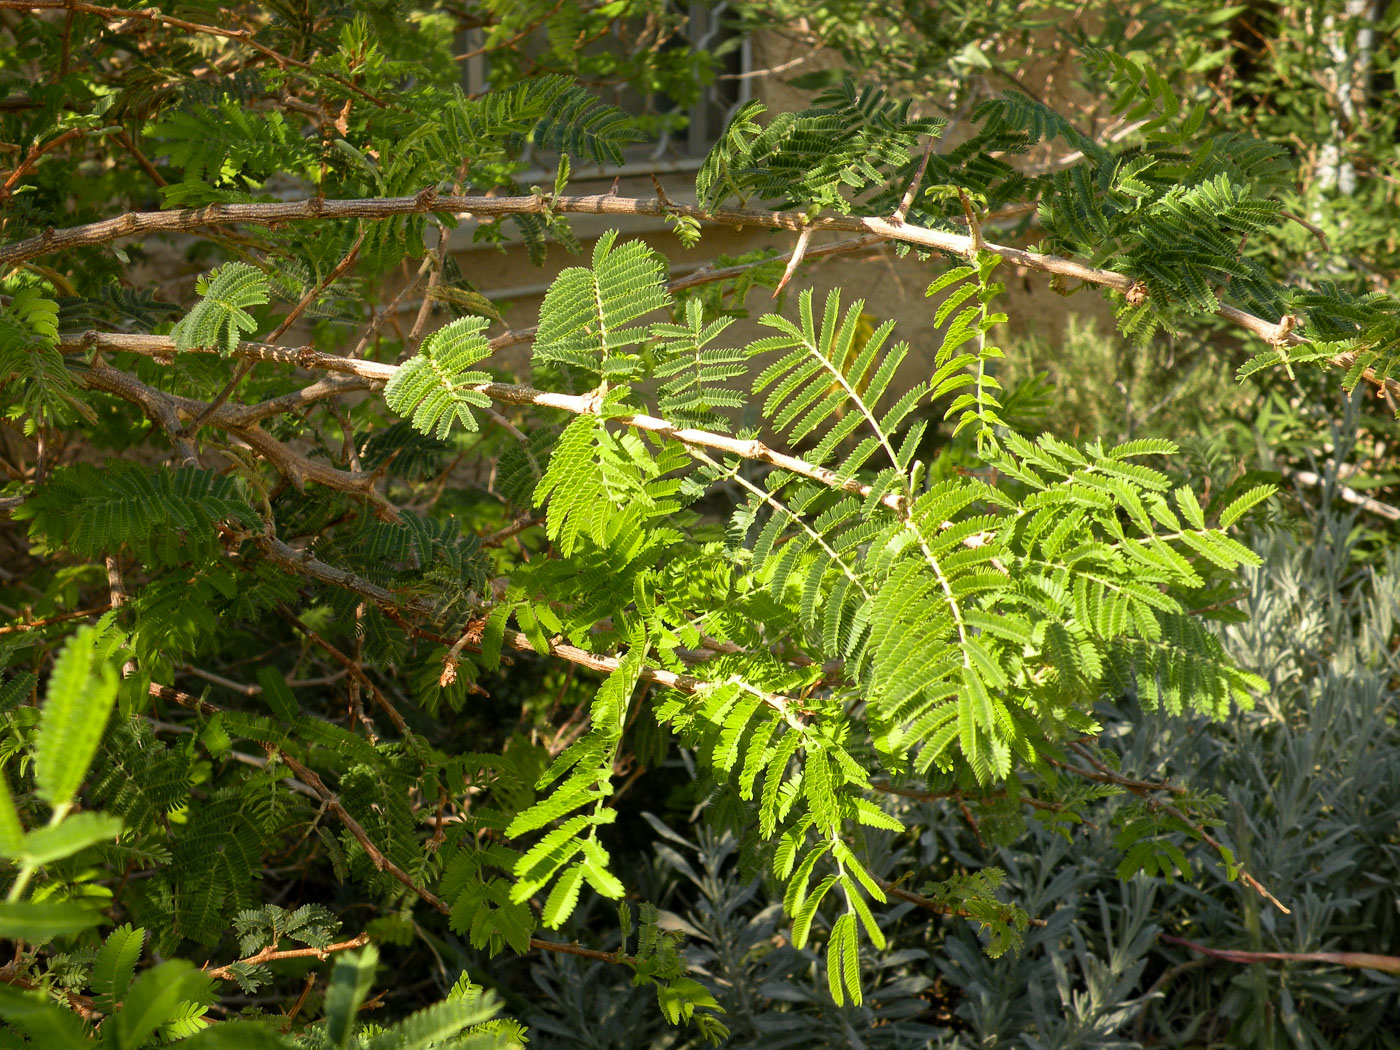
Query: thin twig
point(27, 165)
point(347, 261)
point(271, 954)
point(894, 890)
point(794, 260)
point(1147, 790)
point(528, 521)
point(907, 200)
point(242, 36)
point(34, 625)
point(355, 670)
point(302, 563)
point(232, 417)
point(1358, 960)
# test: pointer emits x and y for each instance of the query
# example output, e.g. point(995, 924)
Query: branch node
point(661, 194)
point(1283, 331)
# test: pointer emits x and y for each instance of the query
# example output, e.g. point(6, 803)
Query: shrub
point(457, 625)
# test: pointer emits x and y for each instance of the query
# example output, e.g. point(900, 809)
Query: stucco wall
point(891, 287)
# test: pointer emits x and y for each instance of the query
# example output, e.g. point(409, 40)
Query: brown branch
point(1358, 960)
point(241, 421)
point(894, 890)
point(1322, 238)
point(794, 260)
point(124, 140)
point(347, 261)
point(1146, 790)
point(908, 199)
point(57, 618)
point(271, 954)
point(160, 347)
point(962, 799)
point(27, 165)
point(302, 563)
point(355, 670)
point(245, 367)
point(245, 689)
point(429, 200)
point(1104, 775)
point(159, 406)
point(301, 1000)
point(242, 36)
point(82, 1005)
point(527, 521)
point(577, 949)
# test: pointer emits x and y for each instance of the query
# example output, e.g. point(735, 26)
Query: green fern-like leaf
point(34, 381)
point(221, 315)
point(116, 965)
point(434, 387)
point(849, 142)
point(165, 516)
point(696, 375)
point(77, 704)
point(587, 317)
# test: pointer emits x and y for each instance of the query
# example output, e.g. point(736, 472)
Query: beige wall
point(891, 287)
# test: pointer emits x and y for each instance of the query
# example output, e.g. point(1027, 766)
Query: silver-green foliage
point(1308, 780)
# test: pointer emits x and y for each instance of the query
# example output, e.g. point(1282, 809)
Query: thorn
point(617, 179)
point(795, 260)
point(897, 219)
point(661, 193)
point(974, 228)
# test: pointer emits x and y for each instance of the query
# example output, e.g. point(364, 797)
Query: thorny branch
point(228, 417)
point(429, 200)
point(271, 954)
point(241, 421)
point(299, 562)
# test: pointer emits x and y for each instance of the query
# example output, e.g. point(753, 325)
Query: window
point(692, 27)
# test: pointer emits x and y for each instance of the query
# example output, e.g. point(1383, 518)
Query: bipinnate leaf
point(587, 317)
point(115, 964)
point(350, 981)
point(221, 315)
point(441, 1025)
point(77, 704)
point(434, 388)
point(154, 1000)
